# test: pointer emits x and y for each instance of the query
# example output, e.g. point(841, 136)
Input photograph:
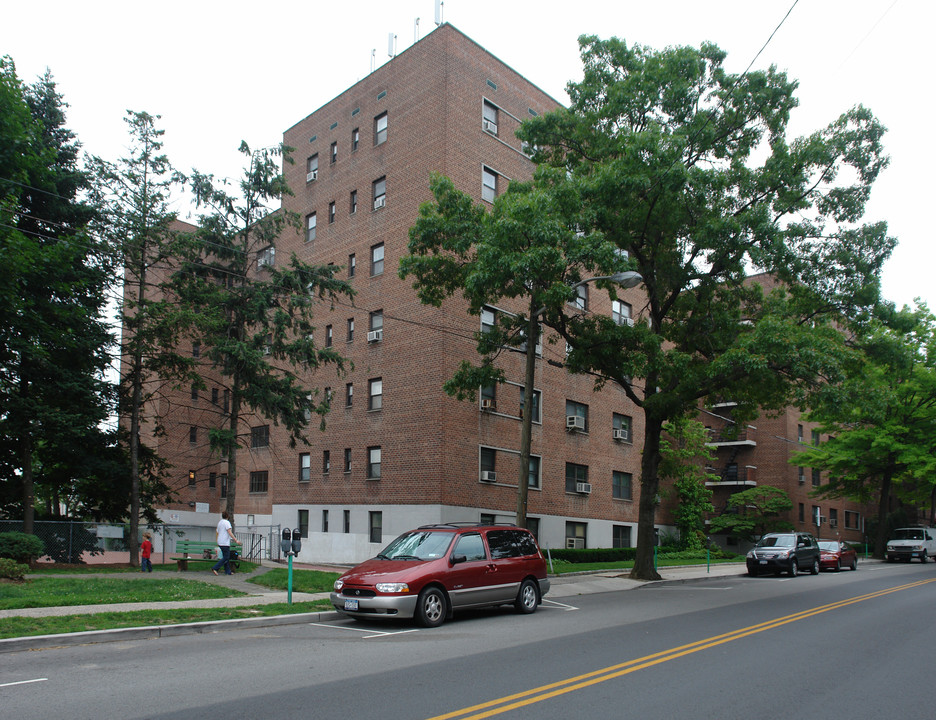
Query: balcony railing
point(733, 476)
point(748, 437)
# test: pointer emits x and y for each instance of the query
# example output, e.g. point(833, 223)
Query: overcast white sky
point(220, 72)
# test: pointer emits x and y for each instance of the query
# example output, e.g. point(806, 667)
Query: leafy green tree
point(683, 454)
point(53, 330)
point(882, 419)
point(752, 513)
point(134, 195)
point(686, 168)
point(250, 312)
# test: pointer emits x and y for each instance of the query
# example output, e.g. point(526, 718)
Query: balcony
point(726, 438)
point(733, 476)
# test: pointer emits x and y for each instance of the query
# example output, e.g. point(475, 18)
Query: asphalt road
point(856, 645)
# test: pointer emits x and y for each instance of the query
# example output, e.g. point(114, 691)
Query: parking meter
point(296, 541)
point(286, 541)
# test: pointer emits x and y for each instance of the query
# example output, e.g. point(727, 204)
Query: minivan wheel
point(794, 568)
point(430, 608)
point(923, 557)
point(527, 598)
point(815, 567)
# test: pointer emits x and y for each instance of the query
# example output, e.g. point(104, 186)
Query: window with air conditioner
point(621, 427)
point(583, 488)
point(266, 257)
point(312, 168)
point(375, 331)
point(380, 193)
point(488, 464)
point(575, 475)
point(576, 416)
point(621, 312)
point(489, 118)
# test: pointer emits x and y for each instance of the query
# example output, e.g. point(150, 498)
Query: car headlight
point(917, 548)
point(890, 547)
point(751, 554)
point(393, 587)
point(339, 583)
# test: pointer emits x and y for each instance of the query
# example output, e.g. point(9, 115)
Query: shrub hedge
point(594, 555)
point(20, 547)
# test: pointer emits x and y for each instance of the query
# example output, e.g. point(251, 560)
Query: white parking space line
point(561, 606)
point(372, 633)
point(23, 682)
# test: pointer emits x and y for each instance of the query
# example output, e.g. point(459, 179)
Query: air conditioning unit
point(584, 488)
point(490, 126)
point(575, 543)
point(621, 434)
point(833, 523)
point(487, 404)
point(488, 476)
point(311, 176)
point(375, 336)
point(575, 422)
point(380, 202)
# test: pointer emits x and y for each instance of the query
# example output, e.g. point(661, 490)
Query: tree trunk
point(649, 491)
point(232, 452)
point(880, 540)
point(526, 427)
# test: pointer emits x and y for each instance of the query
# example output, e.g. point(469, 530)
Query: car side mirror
point(455, 559)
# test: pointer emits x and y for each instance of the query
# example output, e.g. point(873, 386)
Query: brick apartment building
point(397, 452)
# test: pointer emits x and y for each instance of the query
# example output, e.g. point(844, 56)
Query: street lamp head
point(627, 279)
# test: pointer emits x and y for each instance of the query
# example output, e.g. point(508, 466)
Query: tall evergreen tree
point(55, 336)
point(250, 312)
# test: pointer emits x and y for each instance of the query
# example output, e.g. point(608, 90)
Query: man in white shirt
point(225, 538)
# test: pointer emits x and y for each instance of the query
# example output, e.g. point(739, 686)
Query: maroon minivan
point(430, 572)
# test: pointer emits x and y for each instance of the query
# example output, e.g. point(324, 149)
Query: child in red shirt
point(146, 550)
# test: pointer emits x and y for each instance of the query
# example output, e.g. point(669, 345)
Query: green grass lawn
point(55, 591)
point(309, 581)
point(24, 626)
point(53, 569)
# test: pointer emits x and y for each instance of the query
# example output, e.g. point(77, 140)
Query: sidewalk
point(562, 586)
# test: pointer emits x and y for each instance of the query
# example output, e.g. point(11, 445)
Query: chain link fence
point(74, 542)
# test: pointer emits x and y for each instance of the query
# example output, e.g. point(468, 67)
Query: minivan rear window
point(510, 543)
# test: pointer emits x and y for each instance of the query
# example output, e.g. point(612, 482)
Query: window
point(622, 487)
point(375, 332)
point(333, 153)
point(349, 394)
point(347, 521)
point(196, 349)
point(375, 526)
point(214, 396)
point(266, 257)
point(574, 475)
point(377, 259)
point(815, 437)
point(259, 480)
point(191, 478)
point(352, 265)
point(375, 394)
point(534, 476)
point(193, 435)
point(331, 212)
point(194, 392)
point(851, 520)
point(801, 475)
point(260, 436)
point(802, 512)
point(489, 118)
point(312, 168)
point(355, 138)
point(620, 536)
point(576, 416)
point(302, 521)
point(324, 521)
point(488, 184)
point(536, 404)
point(212, 480)
point(329, 335)
point(533, 525)
point(581, 297)
point(621, 312)
point(575, 533)
point(488, 319)
point(489, 397)
point(350, 329)
point(380, 192)
point(326, 461)
point(380, 129)
point(621, 425)
point(347, 460)
point(305, 467)
point(353, 208)
point(471, 546)
point(833, 517)
point(816, 478)
point(488, 463)
point(223, 485)
point(310, 227)
point(373, 463)
point(799, 433)
point(226, 395)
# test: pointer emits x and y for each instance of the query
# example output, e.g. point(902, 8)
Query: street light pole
point(627, 279)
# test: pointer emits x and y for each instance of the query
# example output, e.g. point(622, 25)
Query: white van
point(912, 542)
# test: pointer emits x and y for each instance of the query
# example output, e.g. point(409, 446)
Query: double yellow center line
point(545, 692)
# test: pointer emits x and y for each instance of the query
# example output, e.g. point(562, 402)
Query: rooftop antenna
point(438, 12)
point(391, 45)
point(416, 31)
point(373, 59)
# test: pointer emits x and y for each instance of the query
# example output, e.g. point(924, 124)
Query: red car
point(430, 572)
point(834, 555)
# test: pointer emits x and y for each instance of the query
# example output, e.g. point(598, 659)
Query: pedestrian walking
point(146, 551)
point(225, 538)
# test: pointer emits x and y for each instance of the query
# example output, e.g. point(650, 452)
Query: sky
point(221, 72)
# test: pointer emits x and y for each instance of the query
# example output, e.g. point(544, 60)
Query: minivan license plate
point(762, 562)
point(350, 604)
